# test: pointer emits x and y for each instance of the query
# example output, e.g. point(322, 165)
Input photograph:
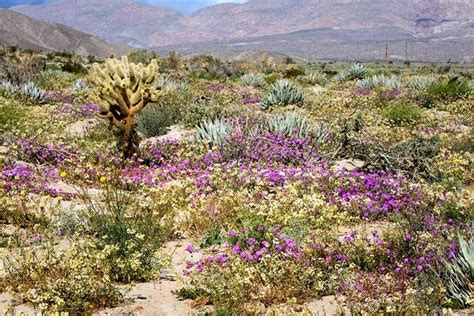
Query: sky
point(185, 6)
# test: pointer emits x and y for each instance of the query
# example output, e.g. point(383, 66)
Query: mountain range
point(323, 27)
point(25, 32)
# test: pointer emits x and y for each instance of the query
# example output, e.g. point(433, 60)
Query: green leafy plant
point(129, 230)
point(403, 113)
point(73, 280)
point(283, 93)
point(156, 118)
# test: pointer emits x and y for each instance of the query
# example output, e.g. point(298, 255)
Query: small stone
point(348, 164)
point(82, 128)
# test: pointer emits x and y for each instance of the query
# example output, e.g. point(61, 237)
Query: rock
point(82, 128)
point(175, 133)
point(326, 306)
point(318, 89)
point(3, 151)
point(348, 164)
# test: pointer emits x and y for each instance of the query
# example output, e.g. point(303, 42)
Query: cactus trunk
point(130, 143)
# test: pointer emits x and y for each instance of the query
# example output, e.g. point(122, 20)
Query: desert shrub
point(130, 231)
point(74, 65)
point(254, 268)
point(54, 80)
point(73, 280)
point(19, 68)
point(155, 119)
point(283, 93)
point(256, 80)
point(293, 72)
point(447, 91)
point(272, 78)
point(459, 274)
point(414, 157)
point(403, 113)
point(210, 106)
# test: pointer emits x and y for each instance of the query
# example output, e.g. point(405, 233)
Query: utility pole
point(406, 52)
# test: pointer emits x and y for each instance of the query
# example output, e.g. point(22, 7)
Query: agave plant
point(294, 124)
point(378, 81)
point(79, 85)
point(32, 92)
point(357, 71)
point(283, 93)
point(460, 273)
point(420, 83)
point(215, 132)
point(168, 83)
point(8, 87)
point(316, 78)
point(340, 77)
point(256, 80)
point(287, 124)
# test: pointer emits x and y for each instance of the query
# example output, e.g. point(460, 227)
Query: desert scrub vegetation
point(283, 184)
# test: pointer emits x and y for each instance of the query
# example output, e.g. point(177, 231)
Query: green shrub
point(130, 229)
point(272, 78)
point(283, 93)
point(294, 72)
point(155, 119)
point(402, 113)
point(58, 280)
point(447, 91)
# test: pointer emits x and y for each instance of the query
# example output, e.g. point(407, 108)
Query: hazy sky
point(185, 6)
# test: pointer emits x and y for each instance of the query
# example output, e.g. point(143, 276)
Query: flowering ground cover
point(350, 182)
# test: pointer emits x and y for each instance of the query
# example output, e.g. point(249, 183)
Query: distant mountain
point(25, 32)
point(127, 22)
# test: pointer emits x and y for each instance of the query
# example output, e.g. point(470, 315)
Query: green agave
point(283, 93)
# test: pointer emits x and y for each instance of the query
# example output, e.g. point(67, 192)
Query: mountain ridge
point(139, 25)
point(25, 32)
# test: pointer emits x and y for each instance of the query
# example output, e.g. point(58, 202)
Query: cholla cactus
point(357, 71)
point(124, 89)
point(284, 93)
